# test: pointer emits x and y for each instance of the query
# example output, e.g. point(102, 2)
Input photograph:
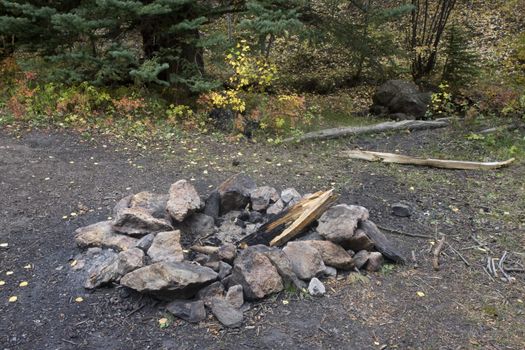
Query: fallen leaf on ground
point(163, 322)
point(73, 263)
point(79, 299)
point(23, 284)
point(13, 299)
point(2, 283)
point(9, 273)
point(4, 245)
point(420, 294)
point(28, 266)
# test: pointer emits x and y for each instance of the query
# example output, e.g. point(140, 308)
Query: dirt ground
point(45, 176)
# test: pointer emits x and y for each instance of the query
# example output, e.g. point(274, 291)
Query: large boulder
point(183, 200)
point(332, 254)
point(339, 223)
point(139, 222)
point(154, 204)
point(166, 246)
point(235, 192)
point(256, 274)
point(399, 96)
point(102, 235)
point(169, 279)
point(306, 261)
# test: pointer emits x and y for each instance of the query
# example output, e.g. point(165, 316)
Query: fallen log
point(436, 163)
point(292, 221)
point(368, 129)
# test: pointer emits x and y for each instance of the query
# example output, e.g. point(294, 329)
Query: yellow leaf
point(28, 266)
point(23, 284)
point(8, 273)
point(2, 283)
point(73, 263)
point(13, 299)
point(4, 245)
point(79, 299)
point(285, 302)
point(420, 294)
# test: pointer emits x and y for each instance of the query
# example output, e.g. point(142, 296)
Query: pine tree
point(461, 65)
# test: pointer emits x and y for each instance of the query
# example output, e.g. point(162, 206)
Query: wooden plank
point(436, 163)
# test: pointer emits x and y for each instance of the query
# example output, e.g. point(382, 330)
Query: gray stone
point(138, 222)
point(316, 288)
point(224, 269)
point(235, 192)
point(198, 225)
point(401, 209)
point(360, 258)
point(122, 204)
point(227, 252)
point(213, 291)
point(311, 235)
point(281, 262)
point(102, 235)
point(399, 96)
point(275, 208)
point(129, 260)
point(339, 223)
point(290, 195)
point(375, 261)
point(169, 279)
point(166, 246)
point(145, 242)
point(235, 296)
point(400, 116)
point(332, 254)
point(213, 264)
point(261, 197)
point(228, 315)
point(154, 204)
point(183, 200)
point(102, 270)
point(229, 232)
point(330, 272)
point(191, 311)
point(212, 205)
point(359, 241)
point(306, 261)
point(257, 275)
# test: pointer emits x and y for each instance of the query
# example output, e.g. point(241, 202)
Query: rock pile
point(151, 248)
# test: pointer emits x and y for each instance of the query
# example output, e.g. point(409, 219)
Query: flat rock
point(261, 197)
point(316, 288)
point(229, 232)
point(111, 269)
point(191, 311)
point(154, 204)
point(235, 296)
point(102, 235)
point(257, 275)
point(102, 271)
point(235, 192)
point(138, 222)
point(332, 254)
point(183, 200)
point(166, 246)
point(338, 223)
point(169, 279)
point(228, 315)
point(375, 261)
point(361, 258)
point(306, 261)
point(359, 241)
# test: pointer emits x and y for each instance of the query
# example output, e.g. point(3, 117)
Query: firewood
point(381, 242)
point(437, 252)
point(292, 221)
point(436, 163)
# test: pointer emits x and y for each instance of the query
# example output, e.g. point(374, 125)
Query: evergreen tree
point(461, 65)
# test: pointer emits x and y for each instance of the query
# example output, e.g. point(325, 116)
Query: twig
point(437, 251)
point(70, 342)
point(511, 269)
point(459, 254)
point(417, 235)
point(414, 260)
point(481, 244)
point(136, 310)
point(500, 266)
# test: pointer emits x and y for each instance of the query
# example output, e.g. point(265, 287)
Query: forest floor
point(47, 175)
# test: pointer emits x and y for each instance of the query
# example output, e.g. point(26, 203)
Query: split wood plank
point(436, 163)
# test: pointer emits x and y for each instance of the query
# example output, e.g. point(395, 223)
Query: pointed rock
point(316, 288)
point(359, 241)
point(183, 200)
point(235, 296)
point(228, 315)
point(190, 311)
point(102, 234)
point(166, 246)
point(154, 204)
point(339, 223)
point(261, 197)
point(235, 192)
point(375, 261)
